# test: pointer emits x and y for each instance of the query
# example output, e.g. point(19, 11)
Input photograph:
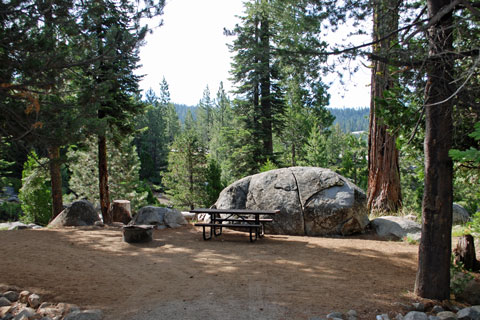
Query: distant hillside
point(351, 120)
point(182, 110)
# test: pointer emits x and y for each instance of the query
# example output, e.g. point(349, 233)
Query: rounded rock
point(23, 297)
point(34, 300)
point(4, 302)
point(416, 315)
point(11, 295)
point(447, 315)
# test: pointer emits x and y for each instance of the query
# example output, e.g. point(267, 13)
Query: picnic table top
point(235, 211)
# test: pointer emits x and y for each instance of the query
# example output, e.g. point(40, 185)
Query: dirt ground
point(181, 276)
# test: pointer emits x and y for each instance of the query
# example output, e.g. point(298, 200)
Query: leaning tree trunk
point(384, 192)
point(433, 275)
point(56, 180)
point(103, 179)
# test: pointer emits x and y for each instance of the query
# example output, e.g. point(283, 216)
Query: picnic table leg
point(205, 235)
point(253, 232)
point(215, 231)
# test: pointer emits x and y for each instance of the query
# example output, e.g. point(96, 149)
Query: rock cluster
point(17, 225)
point(416, 311)
point(23, 305)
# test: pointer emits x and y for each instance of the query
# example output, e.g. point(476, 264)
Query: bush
point(35, 194)
point(10, 211)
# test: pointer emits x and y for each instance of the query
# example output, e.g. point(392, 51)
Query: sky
point(189, 50)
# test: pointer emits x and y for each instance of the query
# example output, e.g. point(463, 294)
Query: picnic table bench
point(234, 218)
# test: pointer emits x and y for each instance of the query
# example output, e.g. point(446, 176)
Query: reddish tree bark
point(433, 275)
point(384, 191)
point(56, 180)
point(103, 180)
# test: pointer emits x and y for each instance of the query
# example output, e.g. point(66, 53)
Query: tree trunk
point(384, 191)
point(433, 275)
point(56, 180)
point(103, 179)
point(465, 253)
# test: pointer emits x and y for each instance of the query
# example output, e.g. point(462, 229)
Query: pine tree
point(186, 175)
point(123, 164)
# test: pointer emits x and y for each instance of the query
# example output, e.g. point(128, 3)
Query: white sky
point(190, 51)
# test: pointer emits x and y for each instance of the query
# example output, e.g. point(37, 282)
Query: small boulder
point(79, 213)
point(395, 228)
point(468, 314)
point(11, 295)
point(4, 302)
point(23, 297)
point(415, 315)
point(159, 216)
point(34, 300)
point(85, 315)
point(460, 214)
point(447, 315)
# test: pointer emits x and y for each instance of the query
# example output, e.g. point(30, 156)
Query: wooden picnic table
point(235, 218)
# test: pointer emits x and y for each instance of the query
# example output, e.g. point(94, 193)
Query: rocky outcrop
point(396, 228)
point(79, 213)
point(159, 216)
point(312, 201)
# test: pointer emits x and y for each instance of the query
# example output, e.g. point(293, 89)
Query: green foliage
point(474, 224)
point(151, 142)
point(186, 175)
point(35, 194)
point(268, 165)
point(214, 184)
point(123, 165)
point(470, 157)
point(4, 164)
point(459, 277)
point(10, 211)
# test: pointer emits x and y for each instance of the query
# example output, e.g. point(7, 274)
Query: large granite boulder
point(312, 201)
point(78, 213)
point(396, 228)
point(159, 216)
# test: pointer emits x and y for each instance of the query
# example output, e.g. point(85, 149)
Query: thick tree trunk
point(103, 179)
point(433, 275)
point(56, 180)
point(384, 191)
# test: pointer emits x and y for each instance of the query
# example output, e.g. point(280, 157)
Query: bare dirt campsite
point(180, 276)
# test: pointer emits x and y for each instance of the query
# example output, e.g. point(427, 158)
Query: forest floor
point(180, 276)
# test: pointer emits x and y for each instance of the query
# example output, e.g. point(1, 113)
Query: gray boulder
point(395, 228)
point(312, 201)
point(460, 214)
point(415, 315)
point(159, 216)
point(79, 213)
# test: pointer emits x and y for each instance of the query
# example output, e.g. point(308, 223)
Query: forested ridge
point(75, 125)
point(349, 119)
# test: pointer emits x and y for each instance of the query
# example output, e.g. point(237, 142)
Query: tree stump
point(121, 211)
point(465, 253)
point(138, 233)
